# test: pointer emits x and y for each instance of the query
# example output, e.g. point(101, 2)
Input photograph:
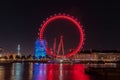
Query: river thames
point(48, 71)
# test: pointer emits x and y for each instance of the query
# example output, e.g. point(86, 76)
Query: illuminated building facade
point(40, 46)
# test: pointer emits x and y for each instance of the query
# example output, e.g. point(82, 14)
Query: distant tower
point(18, 49)
point(40, 46)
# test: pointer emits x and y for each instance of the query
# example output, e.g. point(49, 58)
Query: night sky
point(21, 19)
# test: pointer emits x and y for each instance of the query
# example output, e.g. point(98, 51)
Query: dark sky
point(21, 19)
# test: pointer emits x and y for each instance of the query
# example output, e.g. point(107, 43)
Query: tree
point(33, 57)
point(23, 57)
point(17, 57)
point(11, 57)
point(47, 56)
point(29, 56)
point(5, 57)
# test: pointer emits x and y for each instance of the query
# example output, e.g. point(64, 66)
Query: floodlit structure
point(18, 49)
point(40, 46)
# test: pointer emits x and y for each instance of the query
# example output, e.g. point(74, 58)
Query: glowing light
point(40, 46)
point(71, 19)
point(39, 72)
point(66, 72)
point(18, 71)
point(78, 73)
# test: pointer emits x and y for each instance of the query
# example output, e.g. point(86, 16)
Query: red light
point(71, 19)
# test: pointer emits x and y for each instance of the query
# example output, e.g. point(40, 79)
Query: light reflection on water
point(17, 71)
point(40, 71)
point(59, 72)
point(2, 72)
point(105, 65)
point(66, 72)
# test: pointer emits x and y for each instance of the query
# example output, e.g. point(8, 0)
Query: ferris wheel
point(72, 20)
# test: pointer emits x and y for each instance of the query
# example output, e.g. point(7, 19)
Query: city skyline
point(20, 21)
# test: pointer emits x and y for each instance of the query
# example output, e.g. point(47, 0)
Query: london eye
point(52, 51)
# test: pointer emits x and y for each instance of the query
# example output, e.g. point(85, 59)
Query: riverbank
point(56, 61)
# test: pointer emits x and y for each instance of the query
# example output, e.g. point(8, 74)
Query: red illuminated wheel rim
point(72, 20)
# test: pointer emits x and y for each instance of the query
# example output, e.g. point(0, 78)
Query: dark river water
point(40, 71)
